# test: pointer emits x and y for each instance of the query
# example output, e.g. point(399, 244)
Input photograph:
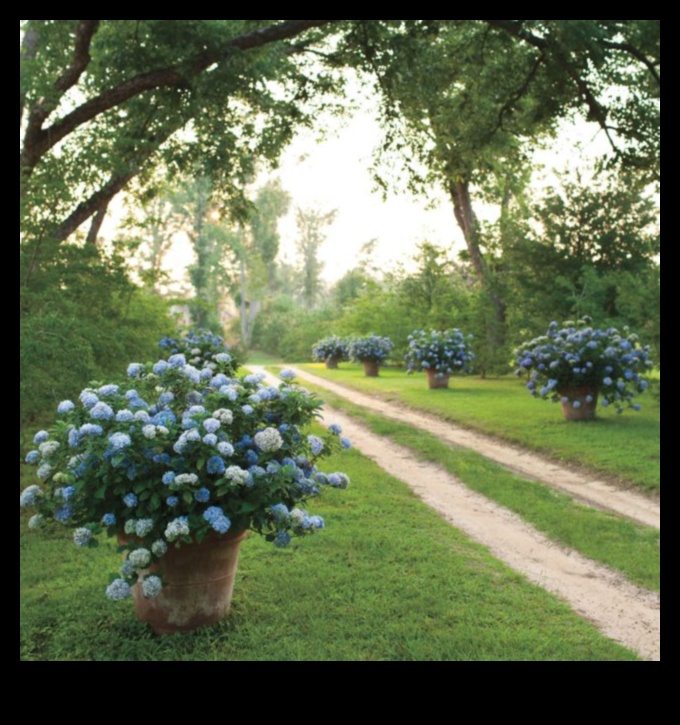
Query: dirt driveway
point(626, 613)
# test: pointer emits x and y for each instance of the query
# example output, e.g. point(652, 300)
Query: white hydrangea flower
point(268, 440)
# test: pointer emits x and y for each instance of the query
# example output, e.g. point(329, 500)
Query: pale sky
point(334, 173)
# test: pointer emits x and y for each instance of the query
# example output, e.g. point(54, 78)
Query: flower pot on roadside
point(371, 368)
point(198, 581)
point(332, 363)
point(578, 403)
point(437, 380)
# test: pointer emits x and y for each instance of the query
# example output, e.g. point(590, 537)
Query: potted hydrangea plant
point(331, 350)
point(439, 353)
point(575, 364)
point(371, 352)
point(179, 462)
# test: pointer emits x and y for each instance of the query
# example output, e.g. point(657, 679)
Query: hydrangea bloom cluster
point(332, 347)
point(179, 451)
point(370, 349)
point(575, 356)
point(199, 347)
point(444, 351)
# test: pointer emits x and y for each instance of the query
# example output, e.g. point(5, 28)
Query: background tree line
point(107, 106)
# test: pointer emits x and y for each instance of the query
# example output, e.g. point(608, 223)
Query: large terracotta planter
point(332, 363)
point(578, 402)
point(198, 582)
point(437, 380)
point(371, 368)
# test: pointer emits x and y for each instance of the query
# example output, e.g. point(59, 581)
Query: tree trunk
point(467, 221)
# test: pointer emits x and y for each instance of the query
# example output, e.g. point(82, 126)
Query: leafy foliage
point(81, 319)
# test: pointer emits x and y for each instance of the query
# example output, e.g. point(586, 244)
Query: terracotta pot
point(585, 398)
point(371, 368)
point(332, 363)
point(198, 581)
point(437, 380)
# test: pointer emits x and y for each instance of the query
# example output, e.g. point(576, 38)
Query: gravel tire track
point(624, 612)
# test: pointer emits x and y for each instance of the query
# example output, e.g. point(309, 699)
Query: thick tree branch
point(42, 140)
point(517, 29)
point(97, 221)
point(85, 30)
point(636, 53)
point(100, 199)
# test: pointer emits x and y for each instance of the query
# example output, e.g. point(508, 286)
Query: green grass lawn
point(387, 580)
point(626, 446)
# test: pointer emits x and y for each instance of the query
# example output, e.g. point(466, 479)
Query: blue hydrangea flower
point(315, 444)
point(192, 373)
point(118, 589)
point(202, 495)
point(151, 586)
point(168, 477)
point(40, 436)
point(178, 360)
point(172, 501)
point(211, 425)
point(287, 374)
point(65, 406)
point(109, 519)
point(248, 409)
point(29, 496)
point(216, 517)
point(82, 536)
point(335, 429)
point(73, 437)
point(282, 539)
point(130, 500)
point(215, 465)
point(107, 390)
point(119, 440)
point(63, 513)
point(160, 367)
point(44, 471)
point(134, 369)
point(32, 457)
point(68, 492)
point(90, 429)
point(88, 398)
point(345, 443)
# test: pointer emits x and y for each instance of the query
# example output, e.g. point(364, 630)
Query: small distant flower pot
point(437, 380)
point(332, 362)
point(371, 368)
point(198, 582)
point(578, 403)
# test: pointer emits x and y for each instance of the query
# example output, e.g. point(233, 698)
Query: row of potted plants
point(440, 353)
point(574, 363)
